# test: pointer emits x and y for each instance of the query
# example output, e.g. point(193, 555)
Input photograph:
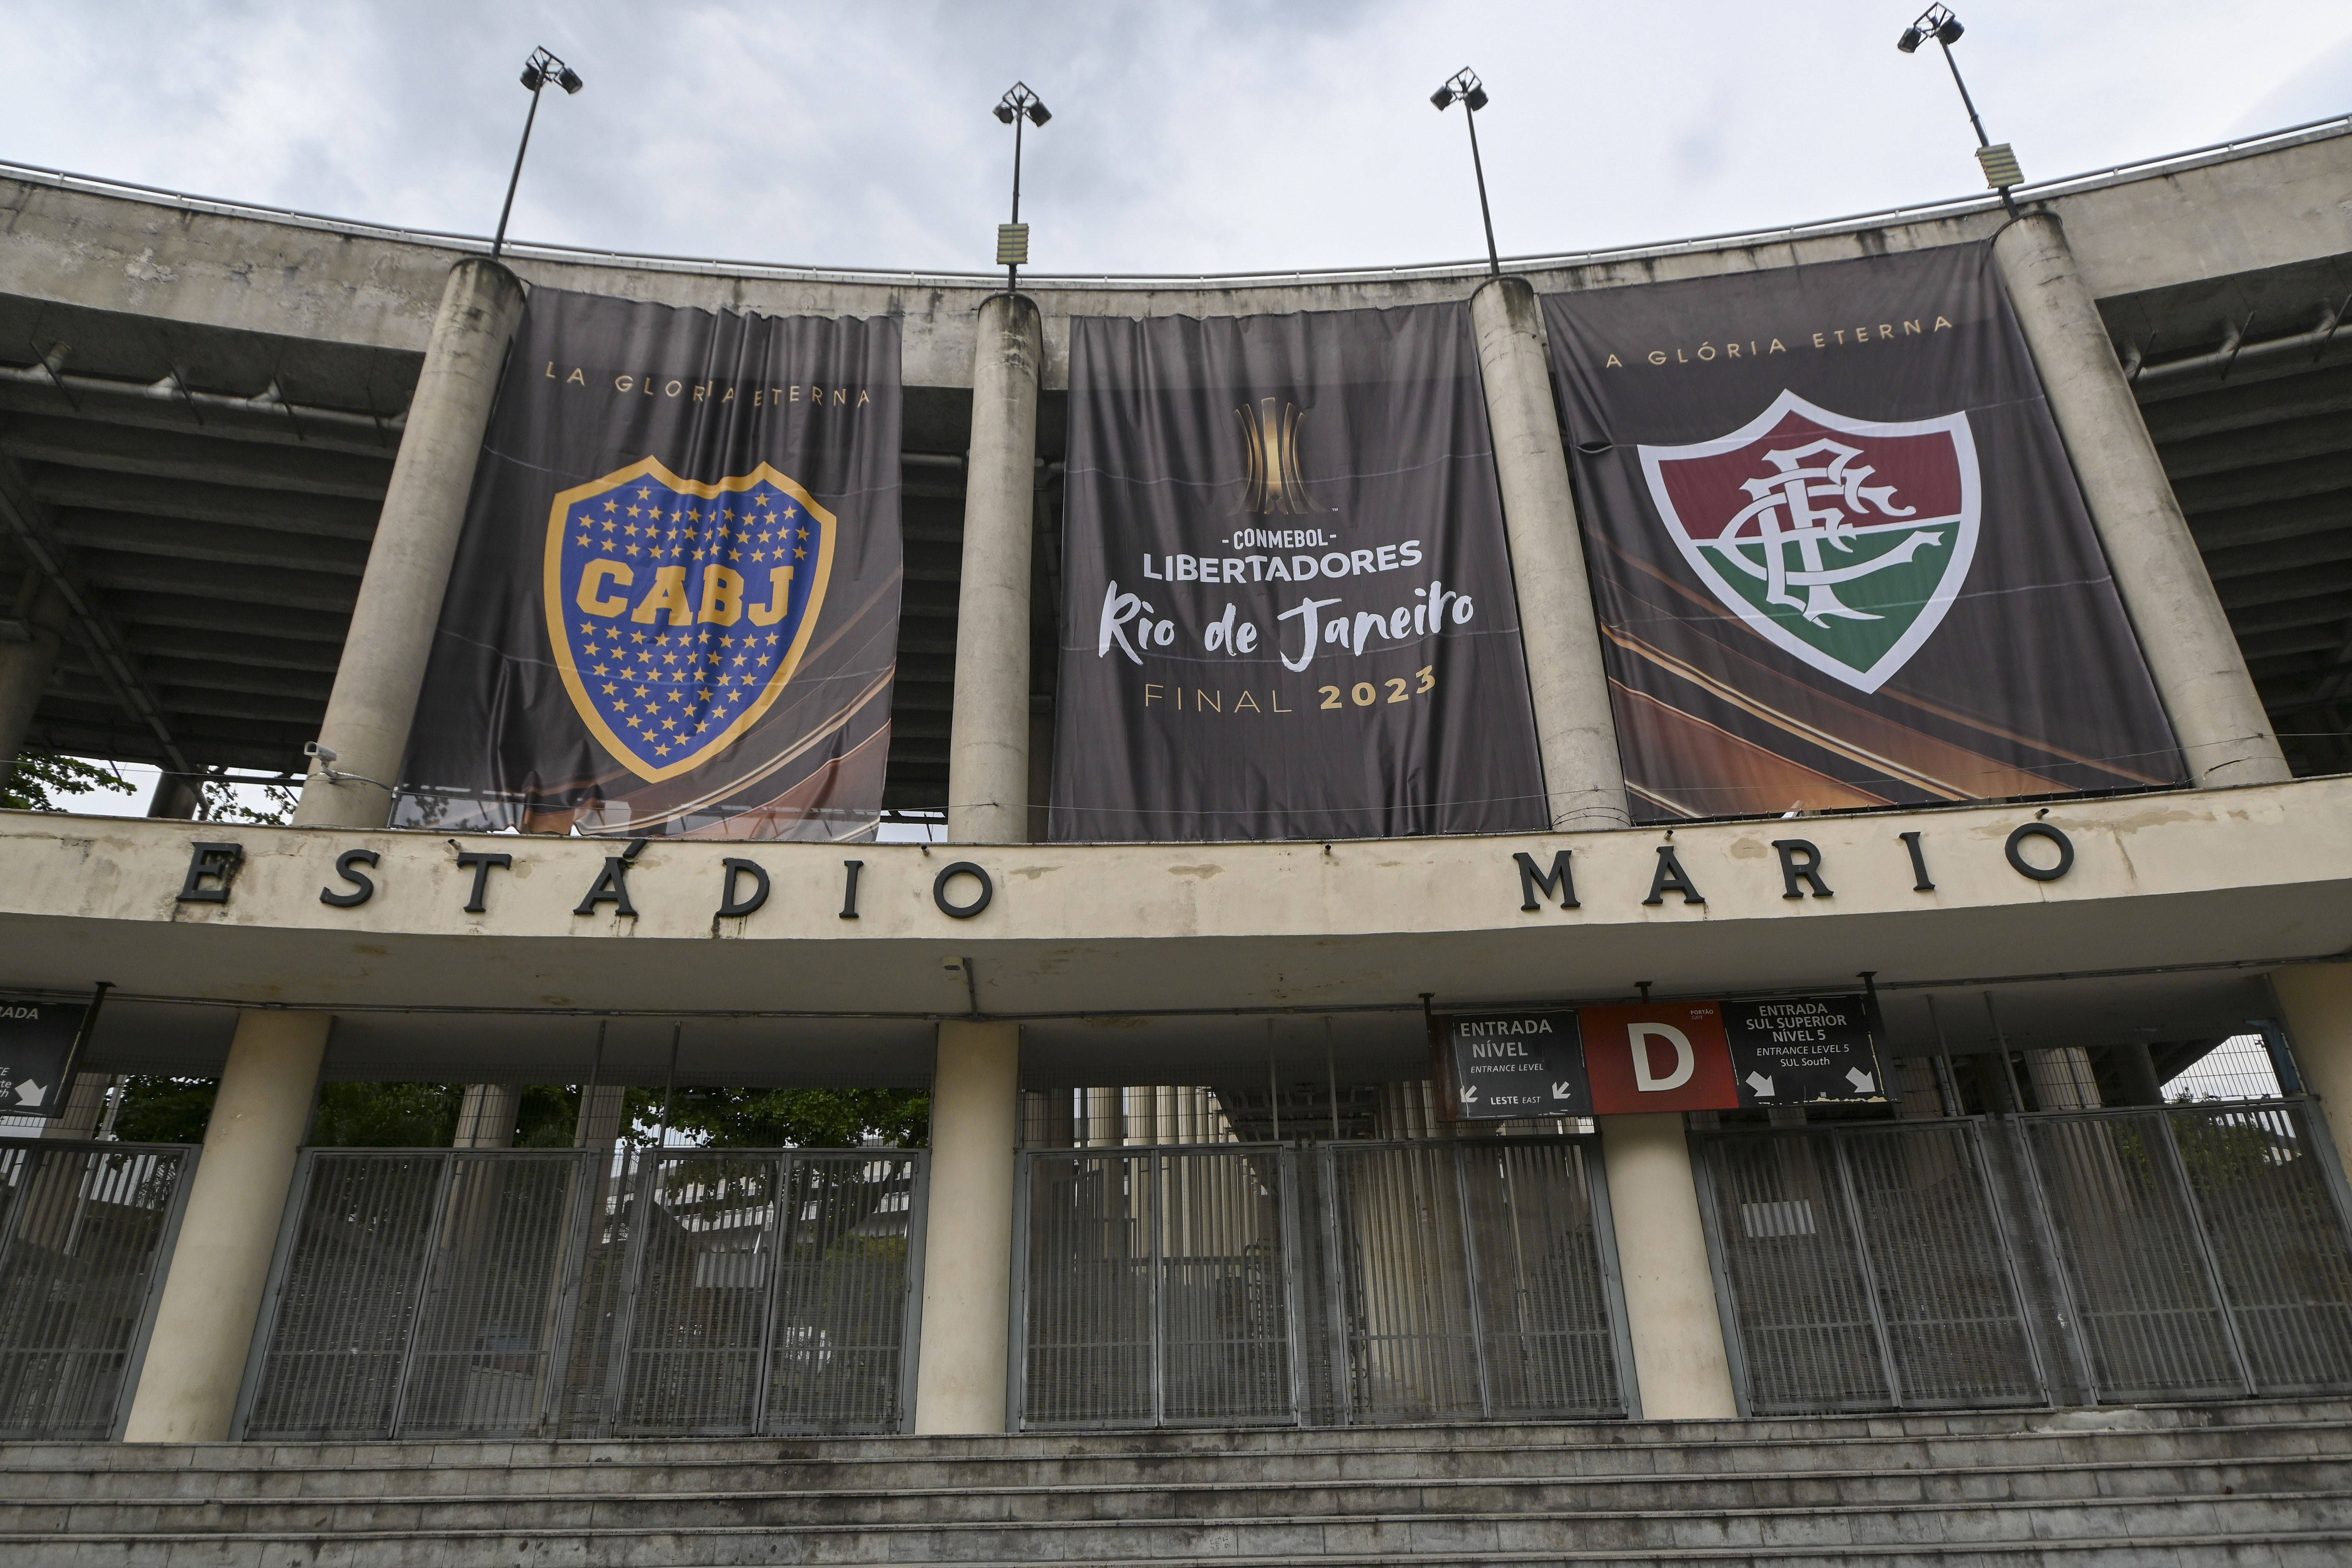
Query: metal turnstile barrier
point(1865, 1267)
point(2203, 1248)
point(512, 1293)
point(86, 1230)
point(1323, 1284)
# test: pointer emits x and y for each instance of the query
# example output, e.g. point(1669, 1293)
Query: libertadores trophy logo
point(677, 610)
point(1842, 542)
point(1275, 484)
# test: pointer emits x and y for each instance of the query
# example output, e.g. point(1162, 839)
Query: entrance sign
point(1287, 606)
point(1838, 552)
point(1792, 1050)
point(36, 1048)
point(674, 609)
point(1667, 1056)
point(1509, 1064)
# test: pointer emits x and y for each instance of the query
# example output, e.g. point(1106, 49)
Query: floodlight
point(1949, 32)
point(1039, 113)
point(531, 76)
point(1476, 98)
point(1910, 41)
point(1464, 85)
point(1999, 163)
point(1019, 108)
point(1443, 96)
point(537, 72)
point(1004, 111)
point(569, 80)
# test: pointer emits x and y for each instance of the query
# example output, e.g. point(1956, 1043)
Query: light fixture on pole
point(1017, 108)
point(1464, 85)
point(1998, 160)
point(537, 72)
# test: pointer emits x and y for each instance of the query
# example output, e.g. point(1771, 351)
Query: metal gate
point(1865, 1267)
point(1329, 1283)
point(1156, 1286)
point(2203, 1248)
point(508, 1292)
point(85, 1232)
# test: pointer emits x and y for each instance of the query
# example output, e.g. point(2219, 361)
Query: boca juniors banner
point(674, 608)
point(1287, 609)
point(1838, 552)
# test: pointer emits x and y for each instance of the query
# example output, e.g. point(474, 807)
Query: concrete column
point(602, 1107)
point(2200, 671)
point(2316, 1002)
point(25, 666)
point(486, 1117)
point(968, 1234)
point(2062, 1079)
point(391, 635)
point(177, 797)
point(1670, 1306)
point(988, 745)
point(1584, 783)
point(203, 1325)
point(85, 1107)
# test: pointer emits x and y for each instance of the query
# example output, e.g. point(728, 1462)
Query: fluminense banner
point(1838, 552)
point(1287, 609)
point(675, 607)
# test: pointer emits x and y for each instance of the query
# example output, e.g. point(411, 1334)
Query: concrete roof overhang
point(1147, 963)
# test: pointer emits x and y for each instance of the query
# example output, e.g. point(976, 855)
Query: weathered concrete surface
point(1662, 1260)
point(967, 1322)
point(2210, 218)
point(2192, 878)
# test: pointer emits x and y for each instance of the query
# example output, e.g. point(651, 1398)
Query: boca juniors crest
point(1842, 542)
point(674, 608)
point(678, 610)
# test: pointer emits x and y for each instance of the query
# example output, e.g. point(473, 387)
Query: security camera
point(324, 754)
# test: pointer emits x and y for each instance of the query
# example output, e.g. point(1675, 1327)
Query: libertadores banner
point(1838, 552)
point(1288, 609)
point(675, 607)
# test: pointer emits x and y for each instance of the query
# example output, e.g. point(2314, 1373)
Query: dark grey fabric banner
point(675, 607)
point(1838, 552)
point(1287, 605)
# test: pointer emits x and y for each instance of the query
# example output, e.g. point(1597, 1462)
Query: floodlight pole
point(1478, 167)
point(1013, 269)
point(536, 71)
point(1966, 101)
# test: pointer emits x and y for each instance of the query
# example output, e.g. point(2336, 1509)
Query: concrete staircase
point(2252, 1483)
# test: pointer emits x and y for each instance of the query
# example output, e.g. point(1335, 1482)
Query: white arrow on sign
point(1760, 1084)
point(1470, 1095)
point(1862, 1082)
point(30, 1093)
point(1559, 1091)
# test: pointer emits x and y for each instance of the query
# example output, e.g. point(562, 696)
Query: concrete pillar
point(2200, 671)
point(2315, 1000)
point(959, 1387)
point(25, 666)
point(203, 1325)
point(178, 796)
point(988, 744)
point(601, 1107)
point(1670, 1306)
point(85, 1107)
point(2062, 1079)
point(486, 1117)
point(399, 605)
point(1584, 782)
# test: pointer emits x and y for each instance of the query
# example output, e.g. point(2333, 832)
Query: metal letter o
point(961, 912)
point(2025, 867)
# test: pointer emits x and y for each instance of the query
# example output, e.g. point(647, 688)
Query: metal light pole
point(1464, 85)
point(536, 72)
point(1018, 107)
point(1998, 160)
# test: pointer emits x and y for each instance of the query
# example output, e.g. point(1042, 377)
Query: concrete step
point(2217, 1523)
point(1685, 1491)
point(42, 1473)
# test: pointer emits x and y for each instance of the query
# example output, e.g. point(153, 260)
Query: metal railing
point(1318, 1284)
point(510, 1292)
point(2183, 1252)
point(86, 1230)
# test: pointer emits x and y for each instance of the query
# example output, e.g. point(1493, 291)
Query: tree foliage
point(43, 781)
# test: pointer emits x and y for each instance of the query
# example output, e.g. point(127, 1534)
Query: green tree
point(39, 781)
point(164, 1109)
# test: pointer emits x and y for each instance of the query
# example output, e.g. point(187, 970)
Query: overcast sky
point(1212, 136)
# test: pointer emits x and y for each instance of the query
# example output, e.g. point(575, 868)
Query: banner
point(1838, 552)
point(675, 607)
point(1288, 609)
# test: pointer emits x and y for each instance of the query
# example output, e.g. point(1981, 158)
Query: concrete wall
point(200, 264)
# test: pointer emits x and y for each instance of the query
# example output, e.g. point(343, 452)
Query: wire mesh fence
point(85, 1230)
point(1318, 1284)
point(508, 1293)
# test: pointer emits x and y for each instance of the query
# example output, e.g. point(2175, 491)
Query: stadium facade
point(1193, 1161)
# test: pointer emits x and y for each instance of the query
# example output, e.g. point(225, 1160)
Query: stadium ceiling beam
point(272, 587)
point(2327, 391)
point(2286, 441)
point(323, 517)
point(136, 411)
point(22, 517)
point(2319, 513)
point(2314, 549)
point(200, 456)
point(134, 535)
